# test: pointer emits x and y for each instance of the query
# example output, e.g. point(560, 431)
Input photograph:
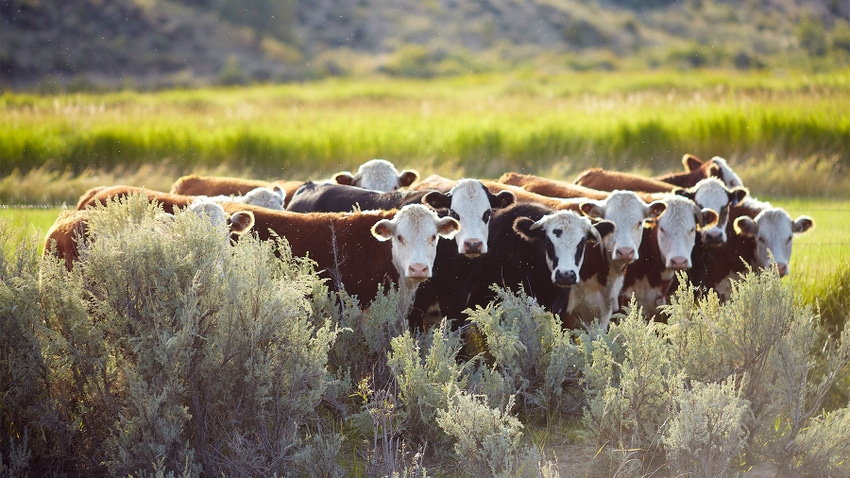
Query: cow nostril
point(626, 253)
point(679, 263)
point(472, 246)
point(418, 271)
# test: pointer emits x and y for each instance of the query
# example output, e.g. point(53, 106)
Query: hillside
point(56, 44)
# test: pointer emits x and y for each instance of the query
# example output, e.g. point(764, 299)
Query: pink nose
point(783, 269)
point(679, 263)
point(625, 254)
point(418, 271)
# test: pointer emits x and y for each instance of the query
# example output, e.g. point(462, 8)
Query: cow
point(194, 185)
point(71, 227)
point(103, 194)
point(552, 187)
point(271, 198)
point(712, 193)
point(696, 170)
point(344, 246)
point(539, 250)
point(760, 236)
point(604, 180)
point(665, 248)
point(468, 201)
point(378, 175)
point(440, 183)
point(597, 293)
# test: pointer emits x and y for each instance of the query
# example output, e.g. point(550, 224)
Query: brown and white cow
point(712, 193)
point(378, 175)
point(552, 187)
point(344, 245)
point(194, 185)
point(539, 250)
point(596, 296)
point(271, 198)
point(665, 248)
point(760, 236)
point(71, 228)
point(696, 170)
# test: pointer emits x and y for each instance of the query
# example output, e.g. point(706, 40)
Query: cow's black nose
point(565, 279)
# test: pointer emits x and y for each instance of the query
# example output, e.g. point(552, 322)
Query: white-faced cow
point(538, 249)
point(344, 245)
point(696, 170)
point(597, 293)
point(712, 193)
point(665, 248)
point(269, 197)
point(378, 175)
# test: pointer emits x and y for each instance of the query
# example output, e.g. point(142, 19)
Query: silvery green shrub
point(534, 357)
point(706, 430)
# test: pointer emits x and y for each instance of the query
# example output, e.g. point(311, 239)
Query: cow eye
point(487, 215)
point(789, 240)
point(762, 240)
point(400, 238)
point(433, 238)
point(693, 229)
point(557, 232)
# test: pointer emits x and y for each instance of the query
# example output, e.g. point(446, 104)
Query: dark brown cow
point(604, 180)
point(345, 248)
point(194, 185)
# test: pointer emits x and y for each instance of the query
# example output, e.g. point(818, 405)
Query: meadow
point(787, 135)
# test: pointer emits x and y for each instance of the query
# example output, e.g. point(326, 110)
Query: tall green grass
point(480, 125)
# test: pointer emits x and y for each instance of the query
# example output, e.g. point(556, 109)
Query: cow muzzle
point(472, 248)
point(565, 278)
point(418, 271)
point(713, 238)
point(680, 263)
point(625, 254)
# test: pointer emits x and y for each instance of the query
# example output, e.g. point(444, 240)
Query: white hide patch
point(566, 234)
point(677, 228)
point(470, 205)
point(261, 197)
point(712, 193)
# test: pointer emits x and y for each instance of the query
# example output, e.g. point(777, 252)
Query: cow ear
point(240, 222)
point(407, 177)
point(502, 200)
point(447, 227)
point(383, 230)
point(691, 162)
point(802, 224)
point(737, 195)
point(655, 209)
point(437, 200)
point(707, 218)
point(527, 229)
point(345, 178)
point(592, 209)
point(280, 192)
point(602, 229)
point(745, 226)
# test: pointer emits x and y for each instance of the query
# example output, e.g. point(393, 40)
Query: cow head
point(270, 198)
point(564, 234)
point(677, 228)
point(628, 212)
point(414, 231)
point(728, 176)
point(378, 175)
point(472, 204)
point(712, 193)
point(773, 231)
point(238, 223)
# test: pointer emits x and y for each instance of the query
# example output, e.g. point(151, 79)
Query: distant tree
point(273, 18)
point(811, 35)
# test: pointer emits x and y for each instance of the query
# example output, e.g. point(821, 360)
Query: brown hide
point(194, 185)
point(604, 180)
point(695, 171)
point(363, 261)
point(102, 195)
point(62, 237)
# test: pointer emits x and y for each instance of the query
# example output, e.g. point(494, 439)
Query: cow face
point(472, 205)
point(628, 212)
point(677, 228)
point(712, 193)
point(773, 231)
point(238, 223)
point(378, 175)
point(414, 231)
point(564, 235)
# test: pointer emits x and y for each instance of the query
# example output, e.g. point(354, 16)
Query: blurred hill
point(89, 44)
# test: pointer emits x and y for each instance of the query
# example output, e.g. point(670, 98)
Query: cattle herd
point(582, 249)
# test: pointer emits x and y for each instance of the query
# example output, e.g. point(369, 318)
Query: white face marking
point(265, 197)
point(471, 207)
point(377, 175)
point(712, 193)
point(566, 235)
point(414, 232)
point(677, 228)
point(774, 234)
point(729, 177)
point(628, 212)
point(215, 213)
